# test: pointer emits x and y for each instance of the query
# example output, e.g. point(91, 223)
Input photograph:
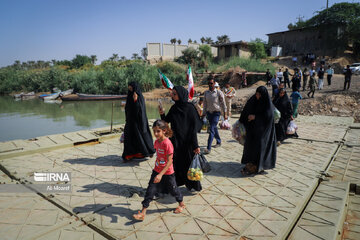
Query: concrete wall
point(154, 51)
point(303, 41)
point(170, 51)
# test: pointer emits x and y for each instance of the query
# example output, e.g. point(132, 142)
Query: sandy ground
point(330, 101)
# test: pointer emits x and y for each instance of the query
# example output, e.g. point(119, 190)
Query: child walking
point(162, 176)
point(295, 96)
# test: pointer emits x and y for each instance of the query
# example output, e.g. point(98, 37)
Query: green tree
point(173, 40)
point(189, 56)
point(223, 39)
point(93, 59)
point(189, 41)
point(80, 60)
point(179, 41)
point(257, 48)
point(205, 54)
point(144, 53)
point(135, 56)
point(202, 40)
point(209, 40)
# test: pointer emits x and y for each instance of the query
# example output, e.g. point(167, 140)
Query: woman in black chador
point(138, 141)
point(185, 123)
point(260, 144)
point(282, 103)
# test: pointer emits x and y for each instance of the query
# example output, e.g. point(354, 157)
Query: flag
point(189, 77)
point(165, 81)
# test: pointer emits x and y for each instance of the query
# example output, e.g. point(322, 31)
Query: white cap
point(216, 84)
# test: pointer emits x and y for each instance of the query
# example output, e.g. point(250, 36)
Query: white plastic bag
point(277, 115)
point(225, 125)
point(195, 172)
point(291, 129)
point(239, 132)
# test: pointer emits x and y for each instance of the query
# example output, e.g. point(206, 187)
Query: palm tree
point(189, 41)
point(123, 58)
point(93, 59)
point(135, 56)
point(202, 40)
point(144, 52)
point(208, 40)
point(195, 41)
point(53, 62)
point(114, 57)
point(179, 41)
point(173, 40)
point(223, 39)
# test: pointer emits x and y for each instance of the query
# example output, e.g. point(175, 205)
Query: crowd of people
point(176, 146)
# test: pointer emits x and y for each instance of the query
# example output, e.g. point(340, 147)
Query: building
point(233, 49)
point(157, 52)
point(320, 40)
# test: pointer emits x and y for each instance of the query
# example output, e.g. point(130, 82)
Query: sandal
point(139, 216)
point(179, 209)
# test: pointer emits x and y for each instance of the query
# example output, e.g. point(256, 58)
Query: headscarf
point(283, 104)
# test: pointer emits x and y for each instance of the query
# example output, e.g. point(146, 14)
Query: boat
point(46, 95)
point(91, 97)
point(67, 92)
point(25, 96)
point(52, 96)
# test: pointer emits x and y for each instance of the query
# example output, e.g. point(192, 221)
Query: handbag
point(205, 165)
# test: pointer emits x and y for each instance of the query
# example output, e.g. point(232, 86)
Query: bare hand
point(157, 179)
point(135, 96)
point(161, 110)
point(292, 118)
point(251, 117)
point(225, 116)
point(197, 151)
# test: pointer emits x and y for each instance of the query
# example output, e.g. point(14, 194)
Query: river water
point(33, 118)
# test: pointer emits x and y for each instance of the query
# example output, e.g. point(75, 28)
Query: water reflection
point(32, 118)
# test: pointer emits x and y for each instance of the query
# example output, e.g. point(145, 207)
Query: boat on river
point(24, 96)
point(91, 97)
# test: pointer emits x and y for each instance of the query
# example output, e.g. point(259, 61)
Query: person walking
point(229, 94)
point(214, 104)
point(295, 96)
point(163, 175)
point(347, 80)
point(296, 80)
point(137, 137)
point(330, 72)
point(312, 85)
point(275, 85)
point(257, 116)
point(321, 73)
point(306, 75)
point(279, 75)
point(268, 76)
point(282, 103)
point(185, 123)
point(287, 75)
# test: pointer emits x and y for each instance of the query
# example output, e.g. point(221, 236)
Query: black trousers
point(287, 81)
point(347, 82)
point(168, 182)
point(329, 79)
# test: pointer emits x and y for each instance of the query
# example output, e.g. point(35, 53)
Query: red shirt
point(163, 149)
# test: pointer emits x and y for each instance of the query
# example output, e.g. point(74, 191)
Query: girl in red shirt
point(163, 174)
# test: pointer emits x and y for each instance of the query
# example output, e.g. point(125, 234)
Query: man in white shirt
point(214, 104)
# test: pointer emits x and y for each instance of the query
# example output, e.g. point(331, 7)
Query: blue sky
point(60, 29)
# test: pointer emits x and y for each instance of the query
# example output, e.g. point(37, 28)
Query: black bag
point(205, 166)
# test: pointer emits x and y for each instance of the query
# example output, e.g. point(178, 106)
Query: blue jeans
point(213, 119)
